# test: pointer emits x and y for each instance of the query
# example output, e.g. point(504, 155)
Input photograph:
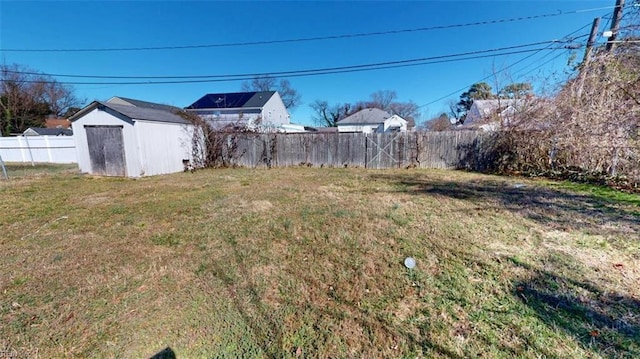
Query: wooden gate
point(106, 150)
point(385, 150)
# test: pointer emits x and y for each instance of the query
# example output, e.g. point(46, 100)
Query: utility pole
point(615, 24)
point(587, 52)
point(590, 42)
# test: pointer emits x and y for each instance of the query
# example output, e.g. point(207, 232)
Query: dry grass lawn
point(304, 262)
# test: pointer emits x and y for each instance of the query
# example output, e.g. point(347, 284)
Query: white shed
point(117, 138)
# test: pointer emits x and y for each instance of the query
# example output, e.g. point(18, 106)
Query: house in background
point(132, 138)
point(372, 120)
point(263, 110)
point(41, 131)
point(53, 122)
point(489, 115)
point(295, 128)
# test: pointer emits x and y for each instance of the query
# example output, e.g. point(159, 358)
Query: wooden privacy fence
point(450, 150)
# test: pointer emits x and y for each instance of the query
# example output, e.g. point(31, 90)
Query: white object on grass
point(410, 262)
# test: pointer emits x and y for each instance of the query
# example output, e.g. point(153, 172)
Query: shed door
point(106, 150)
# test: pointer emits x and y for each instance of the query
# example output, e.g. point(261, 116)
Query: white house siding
point(223, 117)
point(274, 113)
point(395, 121)
point(162, 146)
point(358, 128)
point(106, 117)
point(292, 128)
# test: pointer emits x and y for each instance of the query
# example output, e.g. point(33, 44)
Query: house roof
point(135, 113)
point(41, 131)
point(488, 109)
point(57, 123)
point(118, 100)
point(486, 106)
point(364, 117)
point(232, 100)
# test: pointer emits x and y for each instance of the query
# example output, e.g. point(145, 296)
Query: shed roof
point(134, 112)
point(232, 100)
point(368, 116)
point(119, 100)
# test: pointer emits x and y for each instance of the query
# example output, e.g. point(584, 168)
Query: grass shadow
point(166, 353)
point(554, 208)
point(605, 322)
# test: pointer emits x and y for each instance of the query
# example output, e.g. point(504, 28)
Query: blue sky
point(134, 24)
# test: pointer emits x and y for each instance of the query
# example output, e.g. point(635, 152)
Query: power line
point(489, 76)
point(504, 69)
point(317, 38)
point(482, 79)
point(568, 37)
point(544, 63)
point(299, 72)
point(370, 67)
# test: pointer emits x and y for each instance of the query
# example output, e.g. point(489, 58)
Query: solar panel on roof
point(232, 100)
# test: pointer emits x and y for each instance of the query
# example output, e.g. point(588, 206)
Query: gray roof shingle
point(161, 113)
point(145, 113)
point(368, 116)
point(144, 104)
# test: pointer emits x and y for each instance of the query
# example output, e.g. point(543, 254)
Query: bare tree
point(60, 98)
point(590, 130)
point(328, 115)
point(290, 96)
point(383, 99)
point(407, 110)
point(27, 97)
point(456, 111)
point(214, 146)
point(20, 100)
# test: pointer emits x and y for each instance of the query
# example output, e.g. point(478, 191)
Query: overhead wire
point(298, 73)
point(568, 37)
point(549, 53)
point(544, 63)
point(306, 39)
point(481, 80)
point(290, 74)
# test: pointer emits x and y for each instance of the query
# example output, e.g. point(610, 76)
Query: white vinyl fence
point(43, 149)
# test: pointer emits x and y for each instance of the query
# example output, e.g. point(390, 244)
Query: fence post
point(4, 169)
point(29, 149)
point(366, 151)
point(46, 142)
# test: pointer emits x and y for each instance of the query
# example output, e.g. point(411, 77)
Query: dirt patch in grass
point(305, 262)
